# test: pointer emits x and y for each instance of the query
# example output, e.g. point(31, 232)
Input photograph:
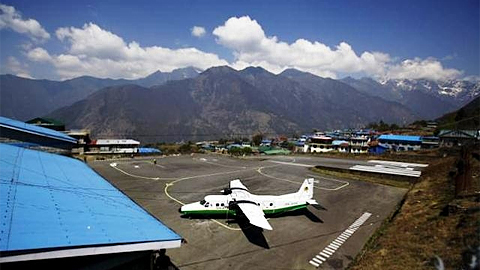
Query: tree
point(257, 139)
point(247, 151)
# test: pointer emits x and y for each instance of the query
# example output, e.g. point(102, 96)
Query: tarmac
point(324, 239)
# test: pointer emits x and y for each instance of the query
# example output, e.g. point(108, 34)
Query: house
point(266, 143)
point(377, 149)
point(401, 142)
point(450, 138)
point(246, 144)
point(341, 146)
point(319, 144)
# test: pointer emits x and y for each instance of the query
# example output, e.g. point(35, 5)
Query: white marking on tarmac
point(320, 258)
point(336, 244)
point(402, 164)
point(291, 163)
point(324, 254)
point(259, 170)
point(384, 170)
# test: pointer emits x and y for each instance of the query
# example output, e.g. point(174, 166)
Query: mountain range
point(24, 99)
point(222, 101)
point(187, 104)
point(427, 99)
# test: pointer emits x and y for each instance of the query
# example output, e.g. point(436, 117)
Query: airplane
point(237, 200)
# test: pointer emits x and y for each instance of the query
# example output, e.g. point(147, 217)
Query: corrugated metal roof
point(400, 138)
point(148, 150)
point(459, 133)
point(36, 130)
point(50, 201)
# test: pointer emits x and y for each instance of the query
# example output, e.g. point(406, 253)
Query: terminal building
point(58, 213)
point(113, 146)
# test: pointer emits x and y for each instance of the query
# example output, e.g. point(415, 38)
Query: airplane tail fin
point(306, 190)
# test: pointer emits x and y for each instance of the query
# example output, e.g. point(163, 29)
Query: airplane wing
point(254, 214)
point(237, 184)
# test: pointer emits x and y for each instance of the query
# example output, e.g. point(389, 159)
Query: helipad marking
point(337, 242)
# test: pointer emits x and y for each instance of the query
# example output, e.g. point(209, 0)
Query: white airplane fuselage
point(270, 204)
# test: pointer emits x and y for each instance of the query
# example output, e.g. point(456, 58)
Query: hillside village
point(422, 135)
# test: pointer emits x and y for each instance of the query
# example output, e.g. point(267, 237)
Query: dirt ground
point(431, 227)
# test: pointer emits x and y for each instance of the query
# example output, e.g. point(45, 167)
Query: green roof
point(44, 120)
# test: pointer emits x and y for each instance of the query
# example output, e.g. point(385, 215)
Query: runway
point(221, 243)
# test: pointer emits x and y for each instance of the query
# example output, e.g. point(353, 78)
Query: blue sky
point(130, 39)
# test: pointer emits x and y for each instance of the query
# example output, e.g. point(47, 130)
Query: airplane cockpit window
point(202, 202)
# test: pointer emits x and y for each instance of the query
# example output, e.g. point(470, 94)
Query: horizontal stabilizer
point(312, 202)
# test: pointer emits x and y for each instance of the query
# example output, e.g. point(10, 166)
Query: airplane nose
point(180, 210)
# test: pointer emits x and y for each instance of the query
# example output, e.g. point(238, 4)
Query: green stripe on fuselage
point(233, 213)
point(284, 209)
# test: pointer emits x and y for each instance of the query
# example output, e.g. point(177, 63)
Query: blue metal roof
point(33, 129)
point(400, 138)
point(50, 201)
point(148, 150)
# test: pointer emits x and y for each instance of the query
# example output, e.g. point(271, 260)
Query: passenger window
point(223, 204)
point(216, 204)
point(271, 204)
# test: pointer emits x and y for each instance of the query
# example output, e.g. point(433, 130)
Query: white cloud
point(39, 55)
point(12, 19)
point(251, 46)
point(417, 68)
point(14, 66)
point(198, 31)
point(472, 78)
point(97, 52)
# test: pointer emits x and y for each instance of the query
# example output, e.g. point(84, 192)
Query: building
point(377, 149)
point(266, 142)
point(359, 144)
point(429, 142)
point(57, 213)
point(113, 146)
point(47, 123)
point(83, 138)
point(341, 146)
point(17, 131)
point(400, 142)
point(81, 135)
point(319, 144)
point(450, 138)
